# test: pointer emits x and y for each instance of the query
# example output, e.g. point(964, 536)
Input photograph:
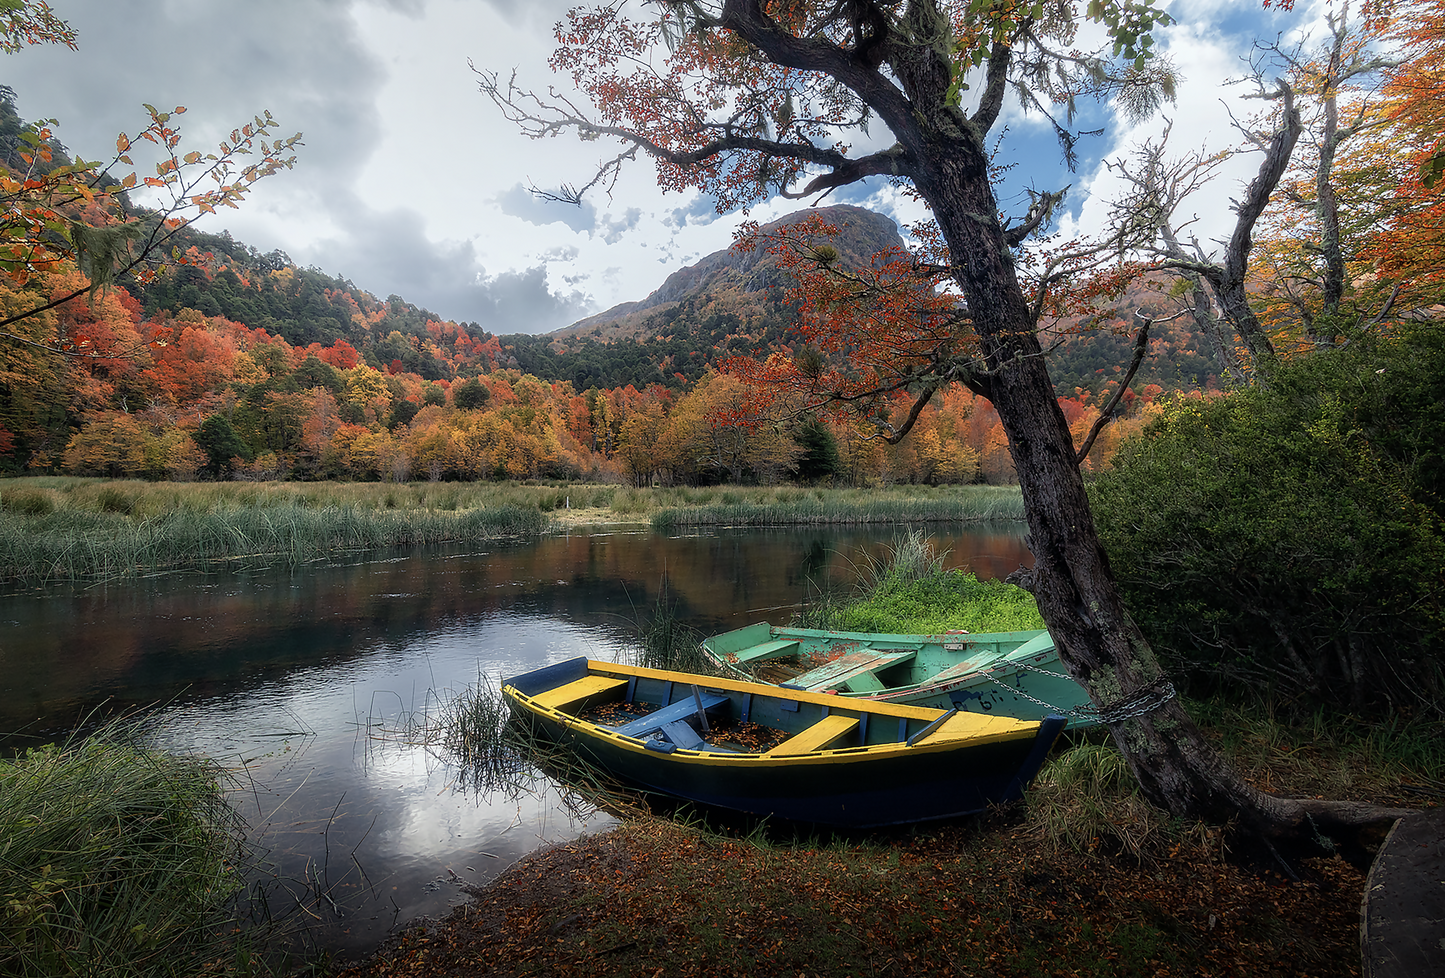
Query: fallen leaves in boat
point(616, 714)
point(753, 738)
point(723, 732)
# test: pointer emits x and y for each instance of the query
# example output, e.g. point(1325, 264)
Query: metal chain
point(1147, 700)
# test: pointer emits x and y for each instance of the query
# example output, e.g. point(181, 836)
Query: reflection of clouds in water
point(337, 785)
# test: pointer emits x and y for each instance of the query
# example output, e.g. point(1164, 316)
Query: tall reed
point(115, 859)
point(665, 641)
point(79, 544)
point(972, 504)
point(141, 500)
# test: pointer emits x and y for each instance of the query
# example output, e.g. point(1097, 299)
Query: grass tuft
point(115, 859)
point(665, 641)
point(909, 592)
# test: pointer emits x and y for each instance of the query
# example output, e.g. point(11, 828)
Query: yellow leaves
point(122, 143)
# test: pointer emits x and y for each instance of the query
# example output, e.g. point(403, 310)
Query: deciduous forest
point(236, 364)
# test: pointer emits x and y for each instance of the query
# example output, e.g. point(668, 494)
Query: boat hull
point(864, 786)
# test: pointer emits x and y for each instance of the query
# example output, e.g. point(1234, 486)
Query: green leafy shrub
point(1288, 538)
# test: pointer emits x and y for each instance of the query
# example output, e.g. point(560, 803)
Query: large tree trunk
point(1098, 642)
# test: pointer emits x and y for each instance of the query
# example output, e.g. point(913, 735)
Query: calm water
point(296, 679)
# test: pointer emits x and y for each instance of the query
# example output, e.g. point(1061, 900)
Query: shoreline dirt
point(980, 897)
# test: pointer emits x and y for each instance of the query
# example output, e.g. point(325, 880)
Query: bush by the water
point(952, 600)
point(909, 592)
point(1288, 538)
point(116, 860)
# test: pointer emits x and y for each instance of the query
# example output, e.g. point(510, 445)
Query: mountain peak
point(735, 273)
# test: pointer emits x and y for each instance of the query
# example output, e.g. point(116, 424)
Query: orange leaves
point(31, 22)
point(868, 324)
point(45, 217)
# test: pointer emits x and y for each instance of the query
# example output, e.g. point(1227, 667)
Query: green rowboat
point(1015, 674)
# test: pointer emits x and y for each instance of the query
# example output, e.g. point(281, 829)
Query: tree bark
point(1228, 280)
point(1098, 642)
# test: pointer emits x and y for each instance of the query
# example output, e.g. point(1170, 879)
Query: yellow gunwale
point(961, 729)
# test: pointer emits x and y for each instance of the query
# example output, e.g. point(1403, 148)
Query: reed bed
point(116, 859)
point(494, 753)
point(43, 495)
point(968, 504)
point(72, 543)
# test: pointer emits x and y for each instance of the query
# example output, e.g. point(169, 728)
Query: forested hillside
point(729, 303)
point(232, 363)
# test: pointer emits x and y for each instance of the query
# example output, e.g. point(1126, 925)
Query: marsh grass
point(665, 641)
point(116, 859)
point(908, 591)
point(60, 528)
point(144, 500)
point(762, 506)
point(88, 529)
point(494, 753)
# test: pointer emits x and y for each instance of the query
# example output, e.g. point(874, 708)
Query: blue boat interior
point(680, 714)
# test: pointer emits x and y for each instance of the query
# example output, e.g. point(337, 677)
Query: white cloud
point(410, 182)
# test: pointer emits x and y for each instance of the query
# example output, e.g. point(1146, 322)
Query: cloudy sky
point(411, 184)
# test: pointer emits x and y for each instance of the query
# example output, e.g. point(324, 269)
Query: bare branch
point(996, 84)
point(1106, 414)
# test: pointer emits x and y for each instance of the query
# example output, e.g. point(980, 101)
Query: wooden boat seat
point(580, 692)
point(766, 650)
point(859, 667)
point(969, 666)
point(817, 737)
point(864, 682)
point(659, 719)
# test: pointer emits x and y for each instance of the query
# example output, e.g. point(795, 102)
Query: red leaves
point(864, 329)
point(654, 897)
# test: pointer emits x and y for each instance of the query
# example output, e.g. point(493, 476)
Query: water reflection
point(293, 678)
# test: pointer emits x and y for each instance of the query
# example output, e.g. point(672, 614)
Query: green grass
point(677, 509)
point(115, 860)
point(1085, 799)
point(909, 592)
point(952, 600)
point(66, 530)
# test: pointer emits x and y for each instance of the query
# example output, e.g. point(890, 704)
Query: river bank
point(56, 528)
point(654, 897)
point(1084, 879)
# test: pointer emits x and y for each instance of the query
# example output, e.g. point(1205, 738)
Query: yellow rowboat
point(780, 753)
